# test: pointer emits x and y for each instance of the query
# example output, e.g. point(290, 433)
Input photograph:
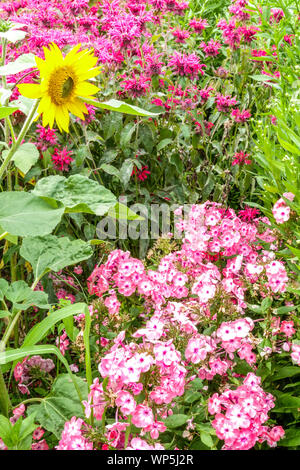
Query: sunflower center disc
point(61, 85)
point(67, 87)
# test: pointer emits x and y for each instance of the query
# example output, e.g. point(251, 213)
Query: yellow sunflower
point(63, 84)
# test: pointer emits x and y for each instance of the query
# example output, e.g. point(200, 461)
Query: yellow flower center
point(61, 85)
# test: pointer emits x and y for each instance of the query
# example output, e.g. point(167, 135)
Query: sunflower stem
point(22, 134)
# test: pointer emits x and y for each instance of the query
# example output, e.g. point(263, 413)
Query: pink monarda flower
point(240, 116)
point(47, 137)
point(281, 211)
point(186, 65)
point(181, 35)
point(211, 49)
point(198, 25)
point(241, 158)
point(136, 86)
point(224, 103)
point(276, 15)
point(153, 65)
point(142, 174)
point(62, 159)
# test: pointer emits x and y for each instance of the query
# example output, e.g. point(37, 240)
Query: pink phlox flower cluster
point(17, 413)
point(295, 354)
point(281, 211)
point(240, 416)
point(96, 400)
point(62, 342)
point(72, 437)
point(24, 371)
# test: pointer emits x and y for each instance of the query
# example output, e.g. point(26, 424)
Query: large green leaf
point(7, 111)
point(23, 62)
point(26, 156)
point(51, 253)
point(22, 297)
point(13, 35)
point(25, 214)
point(61, 405)
point(77, 193)
point(121, 107)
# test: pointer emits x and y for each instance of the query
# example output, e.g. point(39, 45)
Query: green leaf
point(50, 253)
point(120, 211)
point(288, 371)
point(6, 431)
point(126, 171)
point(24, 214)
point(77, 193)
point(291, 438)
point(163, 143)
point(266, 303)
point(110, 169)
point(126, 134)
point(61, 405)
point(175, 421)
point(22, 297)
point(13, 35)
point(40, 330)
point(285, 401)
point(23, 62)
point(6, 111)
point(26, 156)
point(3, 288)
point(11, 238)
point(191, 396)
point(27, 426)
point(206, 439)
point(120, 107)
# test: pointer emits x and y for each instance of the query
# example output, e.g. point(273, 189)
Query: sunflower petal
point(86, 89)
point(30, 90)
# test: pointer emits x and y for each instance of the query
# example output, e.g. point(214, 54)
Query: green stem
point(22, 134)
point(5, 404)
point(11, 129)
point(3, 235)
point(127, 433)
point(13, 322)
